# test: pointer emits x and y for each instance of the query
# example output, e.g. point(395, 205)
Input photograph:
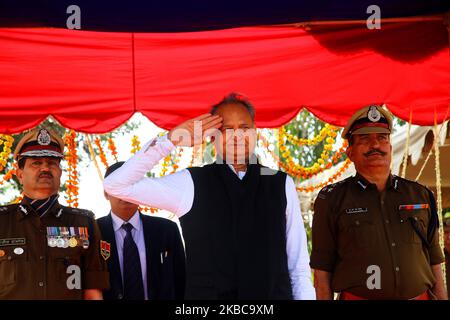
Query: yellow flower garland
point(135, 145)
point(7, 142)
point(327, 130)
point(322, 163)
point(296, 170)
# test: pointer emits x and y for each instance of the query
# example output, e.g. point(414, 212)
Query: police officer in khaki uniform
point(374, 235)
point(47, 251)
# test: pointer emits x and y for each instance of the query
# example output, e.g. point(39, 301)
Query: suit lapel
point(113, 261)
point(152, 257)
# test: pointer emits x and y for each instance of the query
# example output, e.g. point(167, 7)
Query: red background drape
point(94, 81)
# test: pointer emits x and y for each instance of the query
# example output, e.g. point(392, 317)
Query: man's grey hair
point(235, 97)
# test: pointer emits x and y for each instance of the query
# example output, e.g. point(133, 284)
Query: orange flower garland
point(112, 148)
point(329, 181)
point(9, 174)
point(72, 161)
point(18, 199)
point(177, 160)
point(101, 153)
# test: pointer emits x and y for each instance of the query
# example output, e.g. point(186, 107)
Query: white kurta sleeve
point(174, 192)
point(297, 247)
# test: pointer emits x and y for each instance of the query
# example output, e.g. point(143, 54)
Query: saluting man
point(374, 235)
point(47, 251)
point(241, 222)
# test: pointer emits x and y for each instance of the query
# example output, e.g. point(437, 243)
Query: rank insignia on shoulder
point(413, 206)
point(105, 249)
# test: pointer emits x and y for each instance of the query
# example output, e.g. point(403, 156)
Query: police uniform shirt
point(358, 230)
point(31, 269)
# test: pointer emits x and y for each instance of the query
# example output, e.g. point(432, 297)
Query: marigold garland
point(329, 181)
point(298, 171)
point(177, 160)
point(18, 199)
point(101, 153)
point(327, 131)
point(112, 148)
point(165, 166)
point(7, 142)
point(9, 174)
point(135, 145)
point(72, 162)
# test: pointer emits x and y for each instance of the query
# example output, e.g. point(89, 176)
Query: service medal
point(73, 242)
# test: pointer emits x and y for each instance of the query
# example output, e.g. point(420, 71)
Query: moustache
point(45, 175)
point(375, 151)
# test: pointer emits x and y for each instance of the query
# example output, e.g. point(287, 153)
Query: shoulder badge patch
point(105, 249)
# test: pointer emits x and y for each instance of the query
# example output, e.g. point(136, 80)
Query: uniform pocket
point(357, 232)
point(420, 217)
point(12, 258)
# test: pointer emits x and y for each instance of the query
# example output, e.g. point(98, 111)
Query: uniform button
point(387, 221)
point(9, 258)
point(401, 221)
point(41, 257)
point(397, 269)
point(119, 296)
point(393, 244)
point(357, 222)
point(41, 284)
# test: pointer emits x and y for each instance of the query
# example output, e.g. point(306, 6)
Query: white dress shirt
point(175, 193)
point(138, 236)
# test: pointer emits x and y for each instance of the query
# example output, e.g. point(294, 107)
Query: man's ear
point(19, 174)
point(348, 151)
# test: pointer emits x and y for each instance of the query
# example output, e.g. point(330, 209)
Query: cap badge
point(373, 114)
point(43, 137)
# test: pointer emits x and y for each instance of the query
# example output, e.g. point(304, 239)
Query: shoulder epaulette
point(82, 212)
point(8, 208)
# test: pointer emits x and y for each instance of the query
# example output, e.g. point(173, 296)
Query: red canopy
point(94, 81)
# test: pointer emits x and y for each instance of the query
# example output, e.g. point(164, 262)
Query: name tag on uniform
point(12, 242)
point(413, 206)
point(356, 210)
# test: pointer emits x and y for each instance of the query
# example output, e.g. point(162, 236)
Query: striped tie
point(133, 288)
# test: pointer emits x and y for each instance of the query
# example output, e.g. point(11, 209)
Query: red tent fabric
point(94, 81)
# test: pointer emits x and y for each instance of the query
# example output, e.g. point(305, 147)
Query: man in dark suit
point(145, 255)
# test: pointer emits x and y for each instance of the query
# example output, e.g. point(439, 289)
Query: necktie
point(133, 288)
